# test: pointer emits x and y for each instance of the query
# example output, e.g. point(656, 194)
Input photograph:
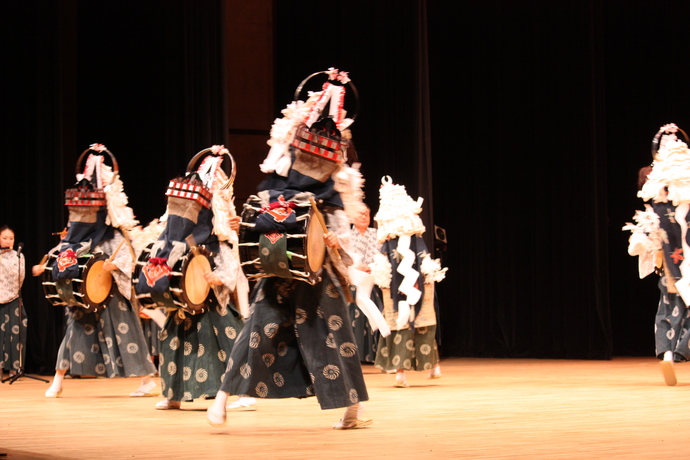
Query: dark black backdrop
point(533, 122)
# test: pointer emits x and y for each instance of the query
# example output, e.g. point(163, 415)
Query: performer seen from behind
point(298, 341)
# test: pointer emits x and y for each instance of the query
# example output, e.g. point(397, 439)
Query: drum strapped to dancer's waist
point(298, 253)
point(91, 289)
point(188, 289)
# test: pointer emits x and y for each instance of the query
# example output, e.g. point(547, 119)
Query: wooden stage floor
point(481, 408)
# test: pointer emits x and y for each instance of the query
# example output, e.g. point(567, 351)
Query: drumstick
point(319, 216)
point(110, 259)
point(191, 242)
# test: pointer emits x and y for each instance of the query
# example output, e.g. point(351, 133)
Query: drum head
point(316, 246)
point(196, 288)
point(99, 283)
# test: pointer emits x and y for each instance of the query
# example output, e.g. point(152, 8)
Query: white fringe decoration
point(398, 214)
point(670, 170)
point(349, 184)
point(431, 269)
point(381, 270)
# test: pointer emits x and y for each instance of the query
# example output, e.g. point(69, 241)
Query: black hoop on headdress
point(229, 169)
point(352, 87)
point(657, 140)
point(80, 167)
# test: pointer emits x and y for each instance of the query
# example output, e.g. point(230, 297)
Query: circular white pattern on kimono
point(7, 318)
point(230, 332)
point(278, 379)
point(396, 360)
point(6, 357)
point(354, 396)
point(261, 390)
point(397, 339)
point(122, 306)
point(330, 340)
point(15, 329)
point(348, 349)
point(269, 359)
point(311, 376)
point(118, 361)
point(64, 363)
point(222, 356)
point(676, 311)
point(300, 315)
point(428, 366)
point(187, 396)
point(187, 324)
point(407, 364)
point(109, 342)
point(132, 348)
point(335, 322)
point(102, 323)
point(118, 339)
point(78, 357)
point(172, 368)
point(198, 326)
point(106, 359)
point(670, 334)
point(384, 352)
point(187, 349)
point(2, 328)
point(170, 393)
point(24, 322)
point(95, 348)
point(174, 343)
point(231, 362)
point(201, 375)
point(425, 349)
point(271, 329)
point(101, 336)
point(123, 328)
point(245, 370)
point(282, 349)
point(100, 368)
point(422, 330)
point(332, 291)
point(215, 330)
point(254, 340)
point(331, 372)
point(201, 350)
point(310, 390)
point(409, 344)
point(88, 329)
point(162, 335)
point(319, 312)
point(356, 313)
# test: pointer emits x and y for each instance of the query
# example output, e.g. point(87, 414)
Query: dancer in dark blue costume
point(298, 341)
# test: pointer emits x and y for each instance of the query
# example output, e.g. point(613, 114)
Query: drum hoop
point(196, 159)
point(299, 88)
point(116, 168)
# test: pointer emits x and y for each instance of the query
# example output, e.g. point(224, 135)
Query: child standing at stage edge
point(11, 280)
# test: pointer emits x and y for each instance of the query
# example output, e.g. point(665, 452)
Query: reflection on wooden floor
point(481, 408)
